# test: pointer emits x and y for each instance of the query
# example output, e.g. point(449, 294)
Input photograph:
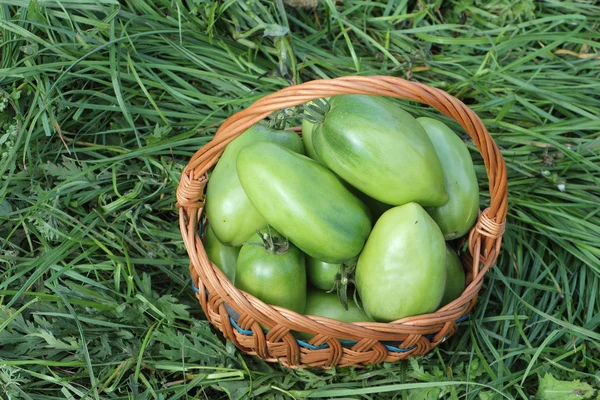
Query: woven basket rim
point(215, 293)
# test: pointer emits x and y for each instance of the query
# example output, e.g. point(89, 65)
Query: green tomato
point(380, 149)
point(308, 127)
point(455, 277)
point(322, 304)
point(272, 269)
point(307, 133)
point(231, 214)
point(376, 207)
point(224, 257)
point(304, 201)
point(321, 274)
point(401, 271)
point(458, 215)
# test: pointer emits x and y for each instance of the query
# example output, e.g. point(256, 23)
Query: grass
point(103, 102)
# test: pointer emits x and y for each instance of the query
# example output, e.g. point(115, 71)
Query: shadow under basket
point(267, 331)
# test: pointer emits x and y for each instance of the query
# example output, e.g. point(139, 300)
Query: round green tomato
point(232, 216)
point(272, 269)
point(322, 304)
point(224, 257)
point(455, 277)
point(380, 149)
point(321, 274)
point(401, 271)
point(458, 215)
point(304, 201)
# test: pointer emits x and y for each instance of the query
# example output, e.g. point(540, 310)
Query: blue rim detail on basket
point(387, 346)
point(463, 318)
point(239, 329)
point(194, 288)
point(399, 349)
point(321, 347)
point(309, 346)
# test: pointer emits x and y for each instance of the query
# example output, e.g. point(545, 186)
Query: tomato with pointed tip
point(401, 270)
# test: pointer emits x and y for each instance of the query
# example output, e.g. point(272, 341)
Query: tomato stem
point(280, 119)
point(272, 243)
point(343, 279)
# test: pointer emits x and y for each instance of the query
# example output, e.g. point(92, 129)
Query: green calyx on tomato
point(401, 270)
point(380, 149)
point(333, 278)
point(272, 269)
point(458, 215)
point(224, 257)
point(304, 201)
point(232, 216)
point(274, 243)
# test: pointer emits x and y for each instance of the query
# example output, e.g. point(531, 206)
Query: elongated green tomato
point(321, 274)
point(231, 214)
point(304, 201)
point(322, 304)
point(224, 257)
point(272, 269)
point(401, 271)
point(455, 277)
point(380, 149)
point(458, 215)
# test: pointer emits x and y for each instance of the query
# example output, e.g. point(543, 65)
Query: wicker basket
point(238, 314)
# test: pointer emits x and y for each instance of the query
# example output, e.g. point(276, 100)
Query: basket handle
point(488, 231)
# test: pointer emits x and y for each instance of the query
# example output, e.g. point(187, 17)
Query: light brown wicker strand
point(214, 290)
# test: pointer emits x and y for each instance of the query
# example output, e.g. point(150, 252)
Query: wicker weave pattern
point(336, 343)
